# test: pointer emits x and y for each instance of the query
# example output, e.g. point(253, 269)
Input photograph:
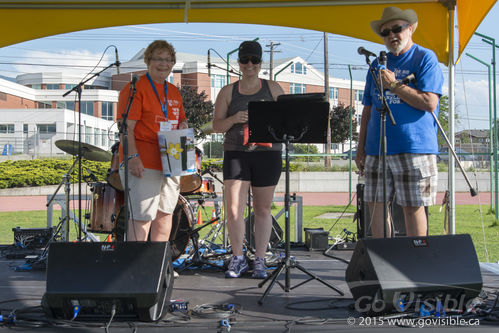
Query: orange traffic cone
point(213, 215)
point(109, 238)
point(200, 218)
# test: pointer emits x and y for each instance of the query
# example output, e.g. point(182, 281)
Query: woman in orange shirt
point(157, 104)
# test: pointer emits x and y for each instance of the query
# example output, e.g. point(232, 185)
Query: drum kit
point(107, 199)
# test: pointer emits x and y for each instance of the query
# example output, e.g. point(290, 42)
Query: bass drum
point(182, 222)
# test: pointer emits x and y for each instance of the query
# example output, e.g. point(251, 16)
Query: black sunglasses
point(396, 29)
point(254, 60)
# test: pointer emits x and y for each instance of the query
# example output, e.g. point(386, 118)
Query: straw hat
point(394, 13)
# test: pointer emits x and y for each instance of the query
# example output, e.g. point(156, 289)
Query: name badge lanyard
point(164, 108)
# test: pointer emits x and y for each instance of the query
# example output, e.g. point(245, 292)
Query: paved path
point(38, 202)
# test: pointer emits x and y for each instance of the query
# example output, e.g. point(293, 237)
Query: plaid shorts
point(411, 179)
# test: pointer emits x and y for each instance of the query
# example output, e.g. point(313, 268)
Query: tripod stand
point(299, 118)
point(196, 258)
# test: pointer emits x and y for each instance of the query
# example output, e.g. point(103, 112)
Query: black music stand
point(301, 118)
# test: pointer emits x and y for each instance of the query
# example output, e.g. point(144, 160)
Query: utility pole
point(272, 45)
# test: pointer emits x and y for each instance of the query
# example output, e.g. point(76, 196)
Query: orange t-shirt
point(146, 110)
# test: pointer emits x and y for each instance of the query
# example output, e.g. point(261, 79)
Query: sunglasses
point(254, 60)
point(395, 29)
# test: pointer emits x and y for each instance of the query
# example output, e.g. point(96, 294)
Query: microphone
point(382, 60)
point(135, 78)
point(409, 78)
point(117, 61)
point(209, 66)
point(365, 52)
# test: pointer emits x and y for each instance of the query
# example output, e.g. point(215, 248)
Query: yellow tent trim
point(26, 20)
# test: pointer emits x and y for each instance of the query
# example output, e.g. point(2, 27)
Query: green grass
point(468, 221)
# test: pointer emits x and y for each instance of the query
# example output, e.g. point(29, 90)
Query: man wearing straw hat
point(411, 143)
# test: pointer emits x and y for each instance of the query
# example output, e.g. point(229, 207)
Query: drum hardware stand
point(63, 226)
point(196, 258)
point(224, 205)
point(285, 121)
point(78, 91)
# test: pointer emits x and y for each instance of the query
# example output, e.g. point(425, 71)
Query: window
point(36, 86)
point(296, 88)
point(217, 81)
point(107, 110)
point(103, 138)
point(69, 86)
point(217, 137)
point(46, 128)
point(25, 128)
point(44, 105)
point(70, 105)
point(87, 108)
point(88, 134)
point(7, 128)
point(51, 86)
point(333, 93)
point(3, 96)
point(359, 95)
point(299, 68)
point(96, 136)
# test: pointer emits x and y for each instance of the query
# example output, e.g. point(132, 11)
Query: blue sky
point(86, 47)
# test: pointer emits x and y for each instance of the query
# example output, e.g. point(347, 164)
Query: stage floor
point(312, 307)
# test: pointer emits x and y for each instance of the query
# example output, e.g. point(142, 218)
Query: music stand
point(289, 119)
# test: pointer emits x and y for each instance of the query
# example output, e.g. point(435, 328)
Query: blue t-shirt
point(415, 130)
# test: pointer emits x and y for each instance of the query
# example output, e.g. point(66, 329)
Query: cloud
point(472, 108)
point(75, 63)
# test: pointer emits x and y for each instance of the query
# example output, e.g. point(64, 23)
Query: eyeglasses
point(395, 29)
point(254, 60)
point(167, 60)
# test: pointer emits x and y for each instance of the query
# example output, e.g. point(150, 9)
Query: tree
point(197, 110)
point(213, 149)
point(340, 124)
point(305, 149)
point(443, 118)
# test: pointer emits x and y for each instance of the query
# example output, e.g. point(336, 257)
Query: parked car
point(463, 155)
point(347, 154)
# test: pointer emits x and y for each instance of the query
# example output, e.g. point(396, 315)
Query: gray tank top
point(234, 136)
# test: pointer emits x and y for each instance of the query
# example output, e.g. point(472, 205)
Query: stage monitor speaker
point(387, 270)
point(136, 278)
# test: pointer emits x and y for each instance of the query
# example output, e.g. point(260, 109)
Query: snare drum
point(191, 183)
point(104, 203)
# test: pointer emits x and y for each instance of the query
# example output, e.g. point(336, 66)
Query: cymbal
point(89, 152)
point(208, 128)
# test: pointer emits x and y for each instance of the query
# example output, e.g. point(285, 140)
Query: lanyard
point(164, 107)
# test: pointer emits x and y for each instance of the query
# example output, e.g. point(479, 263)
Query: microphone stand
point(385, 109)
point(123, 129)
point(78, 91)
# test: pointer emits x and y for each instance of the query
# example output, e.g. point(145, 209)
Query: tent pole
point(451, 173)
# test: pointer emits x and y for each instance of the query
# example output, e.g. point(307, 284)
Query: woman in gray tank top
point(247, 164)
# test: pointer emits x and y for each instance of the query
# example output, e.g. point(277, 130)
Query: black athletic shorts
point(261, 168)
